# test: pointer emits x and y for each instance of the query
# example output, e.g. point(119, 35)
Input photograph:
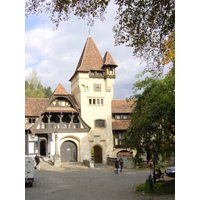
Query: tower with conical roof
point(92, 85)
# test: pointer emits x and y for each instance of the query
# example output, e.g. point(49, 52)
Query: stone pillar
point(57, 159)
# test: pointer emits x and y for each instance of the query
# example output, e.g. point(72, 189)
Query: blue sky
point(55, 53)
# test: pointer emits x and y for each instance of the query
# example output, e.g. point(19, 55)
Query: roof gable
point(60, 90)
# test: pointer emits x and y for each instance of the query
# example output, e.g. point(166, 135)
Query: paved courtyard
point(75, 181)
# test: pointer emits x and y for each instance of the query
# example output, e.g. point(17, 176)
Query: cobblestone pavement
point(75, 181)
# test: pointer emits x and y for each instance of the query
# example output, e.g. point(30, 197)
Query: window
point(124, 117)
point(60, 102)
point(99, 123)
point(92, 73)
point(111, 70)
point(116, 141)
point(26, 120)
point(31, 120)
point(117, 117)
point(99, 73)
point(95, 101)
point(120, 136)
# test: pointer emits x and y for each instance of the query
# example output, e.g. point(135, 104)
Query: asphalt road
point(88, 184)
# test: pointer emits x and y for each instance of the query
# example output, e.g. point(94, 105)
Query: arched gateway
point(97, 154)
point(68, 151)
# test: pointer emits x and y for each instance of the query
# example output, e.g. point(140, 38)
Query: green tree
point(143, 25)
point(47, 91)
point(153, 118)
point(33, 87)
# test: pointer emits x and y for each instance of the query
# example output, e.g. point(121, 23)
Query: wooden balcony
point(58, 127)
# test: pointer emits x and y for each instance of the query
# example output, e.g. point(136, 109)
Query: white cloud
point(55, 54)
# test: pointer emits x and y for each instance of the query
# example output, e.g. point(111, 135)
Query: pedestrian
point(116, 166)
point(150, 164)
point(37, 160)
point(121, 164)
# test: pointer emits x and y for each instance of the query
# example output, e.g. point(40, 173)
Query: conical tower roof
point(108, 60)
point(90, 59)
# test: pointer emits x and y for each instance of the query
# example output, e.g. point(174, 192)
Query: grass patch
point(160, 187)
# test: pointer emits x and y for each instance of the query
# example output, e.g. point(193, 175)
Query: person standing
point(37, 160)
point(150, 164)
point(121, 164)
point(116, 166)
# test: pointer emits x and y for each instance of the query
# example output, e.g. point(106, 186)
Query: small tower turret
point(109, 65)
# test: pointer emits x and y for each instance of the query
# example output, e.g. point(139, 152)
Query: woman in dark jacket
point(37, 160)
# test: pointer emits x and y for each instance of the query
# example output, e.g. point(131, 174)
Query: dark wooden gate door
point(43, 148)
point(97, 154)
point(68, 152)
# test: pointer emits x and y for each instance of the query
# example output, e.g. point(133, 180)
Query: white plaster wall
point(80, 139)
point(90, 113)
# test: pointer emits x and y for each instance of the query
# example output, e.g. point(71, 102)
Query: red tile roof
point(91, 58)
point(35, 106)
point(122, 106)
point(60, 90)
point(108, 60)
point(120, 124)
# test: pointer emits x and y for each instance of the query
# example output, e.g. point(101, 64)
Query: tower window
point(96, 101)
point(99, 73)
point(100, 123)
point(111, 70)
point(92, 73)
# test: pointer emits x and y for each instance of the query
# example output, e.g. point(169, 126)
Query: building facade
point(68, 127)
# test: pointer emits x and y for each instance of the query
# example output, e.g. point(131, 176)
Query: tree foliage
point(33, 87)
point(141, 24)
point(60, 10)
point(153, 118)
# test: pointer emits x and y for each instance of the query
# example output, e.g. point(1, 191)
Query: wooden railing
point(58, 126)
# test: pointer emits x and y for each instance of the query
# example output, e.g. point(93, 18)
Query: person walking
point(116, 166)
point(37, 160)
point(121, 162)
